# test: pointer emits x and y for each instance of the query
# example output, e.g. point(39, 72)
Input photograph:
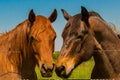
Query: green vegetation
point(83, 71)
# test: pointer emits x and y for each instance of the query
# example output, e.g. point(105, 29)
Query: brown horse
point(86, 35)
point(30, 43)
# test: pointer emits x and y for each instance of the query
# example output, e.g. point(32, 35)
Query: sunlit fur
point(28, 44)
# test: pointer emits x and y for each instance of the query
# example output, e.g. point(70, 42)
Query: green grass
point(83, 71)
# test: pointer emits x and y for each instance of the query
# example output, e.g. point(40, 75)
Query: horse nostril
point(43, 66)
point(60, 70)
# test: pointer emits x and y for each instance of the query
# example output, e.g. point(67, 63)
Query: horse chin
point(47, 74)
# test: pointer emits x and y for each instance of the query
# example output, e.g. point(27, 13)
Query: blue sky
point(13, 12)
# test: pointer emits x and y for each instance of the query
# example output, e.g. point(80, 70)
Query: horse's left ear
point(53, 16)
point(31, 16)
point(84, 14)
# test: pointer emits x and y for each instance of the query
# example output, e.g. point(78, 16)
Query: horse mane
point(112, 26)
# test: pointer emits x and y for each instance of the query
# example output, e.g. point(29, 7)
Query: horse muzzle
point(47, 71)
point(61, 72)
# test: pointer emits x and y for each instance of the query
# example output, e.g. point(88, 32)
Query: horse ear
point(65, 14)
point(31, 16)
point(84, 14)
point(53, 16)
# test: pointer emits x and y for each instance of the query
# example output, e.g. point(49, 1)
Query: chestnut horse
point(29, 44)
point(86, 35)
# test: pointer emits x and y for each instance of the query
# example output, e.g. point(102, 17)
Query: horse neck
point(17, 45)
point(19, 38)
point(26, 52)
point(22, 39)
point(109, 42)
point(103, 67)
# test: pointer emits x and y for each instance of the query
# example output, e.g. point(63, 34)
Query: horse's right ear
point(65, 14)
point(31, 16)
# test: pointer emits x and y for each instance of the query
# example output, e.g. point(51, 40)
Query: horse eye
point(32, 38)
point(80, 37)
point(85, 32)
